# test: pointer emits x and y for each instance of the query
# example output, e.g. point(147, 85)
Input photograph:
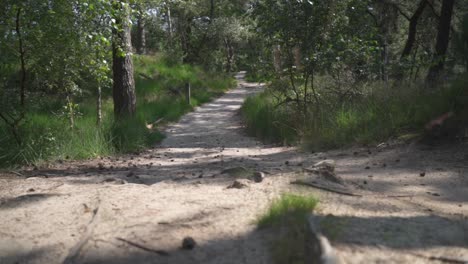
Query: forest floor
point(412, 205)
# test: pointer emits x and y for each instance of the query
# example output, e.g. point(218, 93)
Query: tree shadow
point(24, 200)
point(414, 232)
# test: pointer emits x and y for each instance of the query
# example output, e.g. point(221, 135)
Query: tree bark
point(169, 23)
point(141, 35)
point(229, 54)
point(443, 38)
point(122, 66)
point(413, 23)
point(99, 107)
point(212, 7)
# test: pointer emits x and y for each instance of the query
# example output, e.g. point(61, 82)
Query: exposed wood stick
point(17, 173)
point(310, 184)
point(142, 247)
point(342, 192)
point(75, 251)
point(158, 121)
point(146, 76)
point(398, 196)
point(441, 259)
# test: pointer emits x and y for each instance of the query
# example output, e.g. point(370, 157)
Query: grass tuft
point(287, 217)
point(288, 206)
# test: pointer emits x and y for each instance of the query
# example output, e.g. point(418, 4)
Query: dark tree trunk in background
point(169, 24)
point(122, 66)
point(443, 38)
point(186, 32)
point(413, 23)
point(212, 7)
point(141, 35)
point(229, 54)
point(22, 60)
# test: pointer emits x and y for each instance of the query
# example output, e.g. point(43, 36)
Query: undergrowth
point(46, 136)
point(377, 114)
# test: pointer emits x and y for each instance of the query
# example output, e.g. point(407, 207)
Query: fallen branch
point(17, 173)
point(441, 259)
point(146, 76)
point(321, 187)
point(142, 247)
point(75, 251)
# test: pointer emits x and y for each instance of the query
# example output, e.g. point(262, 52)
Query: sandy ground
point(138, 208)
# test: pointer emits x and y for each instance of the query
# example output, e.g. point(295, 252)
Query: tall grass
point(378, 114)
point(46, 135)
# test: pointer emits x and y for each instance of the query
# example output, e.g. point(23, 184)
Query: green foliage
point(288, 206)
point(45, 137)
point(131, 134)
point(377, 115)
point(266, 121)
point(46, 134)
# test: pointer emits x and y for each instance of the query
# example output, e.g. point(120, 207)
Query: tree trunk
point(122, 66)
point(413, 29)
point(169, 24)
point(443, 38)
point(212, 7)
point(141, 35)
point(384, 58)
point(277, 62)
point(229, 55)
point(188, 92)
point(21, 54)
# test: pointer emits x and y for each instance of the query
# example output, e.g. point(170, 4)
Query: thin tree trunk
point(443, 38)
point(122, 66)
point(277, 63)
point(169, 23)
point(212, 7)
point(413, 29)
point(21, 53)
point(71, 110)
point(188, 92)
point(141, 35)
point(384, 57)
point(99, 107)
point(229, 55)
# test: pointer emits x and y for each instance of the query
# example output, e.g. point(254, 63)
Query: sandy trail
point(81, 212)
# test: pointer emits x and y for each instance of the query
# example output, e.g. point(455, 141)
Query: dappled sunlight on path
point(176, 189)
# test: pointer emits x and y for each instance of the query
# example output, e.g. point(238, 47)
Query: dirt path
point(138, 208)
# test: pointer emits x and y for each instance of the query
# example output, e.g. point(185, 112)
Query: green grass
point(287, 219)
point(378, 114)
point(288, 206)
point(46, 135)
point(265, 121)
